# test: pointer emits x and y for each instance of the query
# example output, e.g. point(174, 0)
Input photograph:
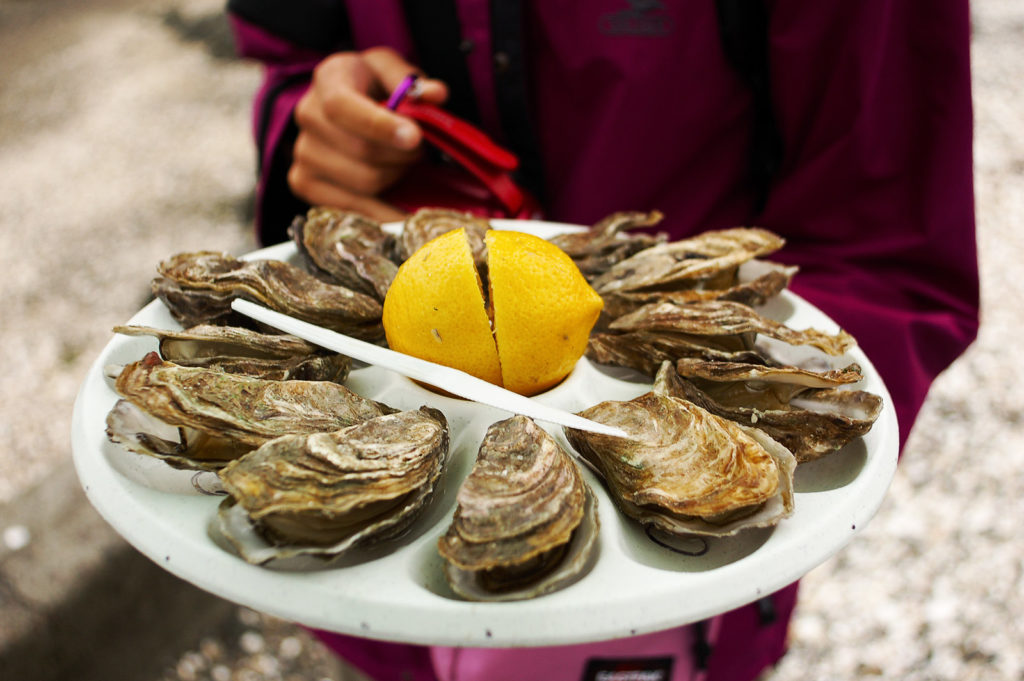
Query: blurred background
point(125, 137)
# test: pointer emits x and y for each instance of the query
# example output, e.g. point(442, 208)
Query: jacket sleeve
point(875, 191)
point(289, 40)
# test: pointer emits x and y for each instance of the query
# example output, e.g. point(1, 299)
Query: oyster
point(238, 350)
point(802, 410)
point(727, 324)
point(686, 471)
point(427, 223)
point(766, 280)
point(199, 287)
point(713, 330)
point(606, 243)
point(645, 351)
point(347, 248)
point(526, 522)
point(220, 416)
point(708, 260)
point(322, 494)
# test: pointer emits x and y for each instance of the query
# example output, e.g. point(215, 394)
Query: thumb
point(390, 68)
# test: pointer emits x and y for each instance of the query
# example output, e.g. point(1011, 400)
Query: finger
point(363, 117)
point(391, 68)
point(319, 192)
point(312, 122)
point(342, 169)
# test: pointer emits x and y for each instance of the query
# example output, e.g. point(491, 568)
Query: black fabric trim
point(321, 25)
point(743, 25)
point(279, 206)
point(512, 93)
point(701, 647)
point(267, 109)
point(437, 37)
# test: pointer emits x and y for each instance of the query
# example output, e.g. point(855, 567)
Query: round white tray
point(396, 591)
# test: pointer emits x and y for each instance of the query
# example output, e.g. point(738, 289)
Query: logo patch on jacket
point(642, 18)
point(635, 669)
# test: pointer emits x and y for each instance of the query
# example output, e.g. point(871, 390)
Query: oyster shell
point(606, 243)
point(526, 522)
point(686, 471)
point(238, 350)
point(199, 287)
point(347, 248)
point(645, 351)
point(222, 416)
point(727, 324)
point(707, 260)
point(322, 494)
point(809, 421)
point(767, 279)
point(427, 223)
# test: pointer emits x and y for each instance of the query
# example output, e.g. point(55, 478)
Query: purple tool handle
point(401, 91)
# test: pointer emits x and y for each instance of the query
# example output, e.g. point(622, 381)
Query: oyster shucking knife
point(453, 380)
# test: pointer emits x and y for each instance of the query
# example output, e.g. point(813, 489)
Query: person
point(844, 127)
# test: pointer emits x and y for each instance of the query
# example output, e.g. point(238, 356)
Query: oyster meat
point(685, 471)
point(199, 287)
point(526, 522)
point(609, 242)
point(238, 350)
point(346, 248)
point(221, 416)
point(804, 411)
point(322, 494)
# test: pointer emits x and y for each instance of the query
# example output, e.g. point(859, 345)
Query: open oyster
point(238, 350)
point(427, 223)
point(803, 410)
point(199, 287)
point(686, 471)
point(322, 494)
point(526, 522)
point(220, 416)
point(348, 248)
point(607, 242)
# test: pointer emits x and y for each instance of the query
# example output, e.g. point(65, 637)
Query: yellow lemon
point(526, 334)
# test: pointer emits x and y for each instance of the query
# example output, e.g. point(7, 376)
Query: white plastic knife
point(452, 380)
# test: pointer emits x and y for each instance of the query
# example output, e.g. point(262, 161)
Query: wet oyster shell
point(768, 280)
point(607, 242)
point(526, 522)
point(759, 386)
point(322, 494)
point(221, 416)
point(686, 471)
point(705, 260)
point(346, 248)
point(238, 350)
point(428, 223)
point(199, 287)
point(811, 423)
point(645, 351)
point(717, 320)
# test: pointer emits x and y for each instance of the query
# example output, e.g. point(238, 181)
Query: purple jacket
point(844, 126)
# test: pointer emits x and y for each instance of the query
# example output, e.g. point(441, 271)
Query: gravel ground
point(115, 153)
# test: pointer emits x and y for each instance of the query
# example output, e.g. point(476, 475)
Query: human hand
point(349, 147)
